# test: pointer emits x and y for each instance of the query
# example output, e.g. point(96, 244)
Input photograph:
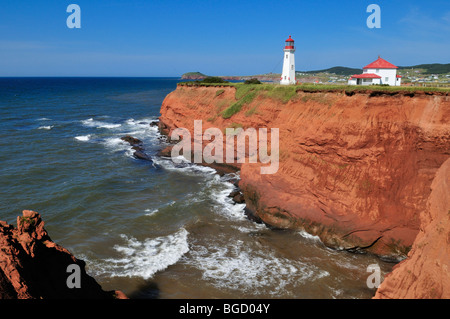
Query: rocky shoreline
point(360, 183)
point(32, 266)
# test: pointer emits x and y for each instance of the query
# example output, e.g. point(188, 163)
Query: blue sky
point(169, 38)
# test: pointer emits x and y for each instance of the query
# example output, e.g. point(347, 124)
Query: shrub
point(213, 79)
point(252, 81)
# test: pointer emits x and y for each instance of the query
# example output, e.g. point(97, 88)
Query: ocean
point(151, 229)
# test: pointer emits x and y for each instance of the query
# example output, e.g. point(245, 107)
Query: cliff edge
point(355, 167)
point(32, 266)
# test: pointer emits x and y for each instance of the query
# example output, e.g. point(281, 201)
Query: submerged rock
point(32, 266)
point(237, 197)
point(136, 145)
point(166, 152)
point(132, 140)
point(139, 154)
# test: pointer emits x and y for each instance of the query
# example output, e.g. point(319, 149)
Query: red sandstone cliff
point(425, 273)
point(34, 267)
point(355, 169)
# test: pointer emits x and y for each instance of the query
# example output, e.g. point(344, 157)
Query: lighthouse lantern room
point(288, 75)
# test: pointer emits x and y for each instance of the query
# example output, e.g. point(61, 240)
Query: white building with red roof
point(377, 72)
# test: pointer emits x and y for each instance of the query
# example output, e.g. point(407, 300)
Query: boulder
point(139, 154)
point(32, 266)
point(132, 140)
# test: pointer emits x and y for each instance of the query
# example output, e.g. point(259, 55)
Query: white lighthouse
point(288, 75)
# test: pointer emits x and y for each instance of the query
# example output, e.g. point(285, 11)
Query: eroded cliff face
point(32, 266)
point(355, 169)
point(425, 273)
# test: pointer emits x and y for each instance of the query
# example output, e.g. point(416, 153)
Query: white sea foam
point(48, 127)
point(151, 212)
point(116, 144)
point(43, 119)
point(239, 267)
point(99, 124)
point(109, 125)
point(145, 258)
point(184, 166)
point(140, 129)
point(83, 138)
point(306, 235)
point(142, 123)
point(250, 228)
point(223, 204)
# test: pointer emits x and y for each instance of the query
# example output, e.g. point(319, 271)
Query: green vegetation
point(252, 111)
point(310, 87)
point(243, 90)
point(338, 70)
point(252, 81)
point(213, 79)
point(28, 220)
point(246, 93)
point(201, 83)
point(374, 89)
point(237, 106)
point(434, 68)
point(189, 74)
point(282, 93)
point(208, 81)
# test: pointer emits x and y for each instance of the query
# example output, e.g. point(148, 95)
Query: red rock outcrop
point(425, 273)
point(32, 266)
point(355, 169)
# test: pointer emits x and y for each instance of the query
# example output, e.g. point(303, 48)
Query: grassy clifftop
point(326, 87)
point(246, 93)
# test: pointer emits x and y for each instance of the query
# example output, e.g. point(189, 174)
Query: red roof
point(399, 76)
point(365, 76)
point(290, 39)
point(380, 64)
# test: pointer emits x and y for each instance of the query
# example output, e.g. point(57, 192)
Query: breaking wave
point(239, 267)
point(144, 258)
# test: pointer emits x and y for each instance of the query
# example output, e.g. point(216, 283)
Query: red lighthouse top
point(289, 44)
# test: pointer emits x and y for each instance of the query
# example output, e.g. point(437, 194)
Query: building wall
point(355, 81)
point(388, 76)
point(288, 75)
